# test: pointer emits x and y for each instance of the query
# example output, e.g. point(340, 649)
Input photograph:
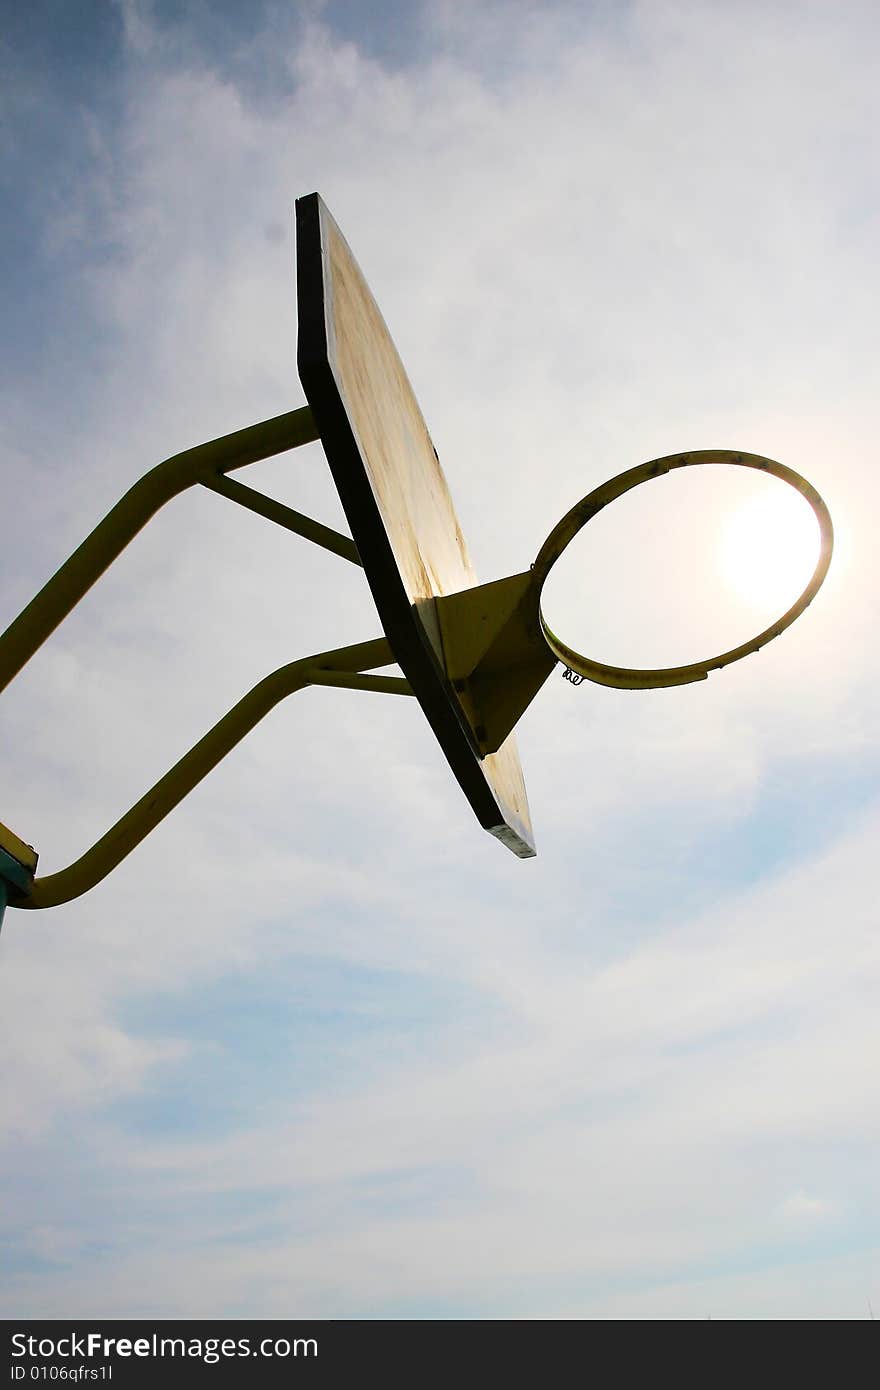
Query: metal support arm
point(206, 464)
point(76, 576)
point(343, 667)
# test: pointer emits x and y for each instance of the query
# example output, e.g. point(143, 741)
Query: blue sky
point(320, 1047)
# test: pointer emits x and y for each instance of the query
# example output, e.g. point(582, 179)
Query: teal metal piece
point(11, 872)
point(15, 880)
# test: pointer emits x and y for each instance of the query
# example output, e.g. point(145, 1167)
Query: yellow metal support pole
point(343, 667)
point(110, 537)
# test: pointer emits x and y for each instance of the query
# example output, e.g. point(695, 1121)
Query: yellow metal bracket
point(494, 653)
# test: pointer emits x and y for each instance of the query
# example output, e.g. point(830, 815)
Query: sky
point(321, 1047)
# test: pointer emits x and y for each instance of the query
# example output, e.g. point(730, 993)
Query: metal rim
point(630, 678)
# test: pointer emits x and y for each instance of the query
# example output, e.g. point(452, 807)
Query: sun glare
point(768, 549)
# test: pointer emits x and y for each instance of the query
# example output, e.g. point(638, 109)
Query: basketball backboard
point(397, 503)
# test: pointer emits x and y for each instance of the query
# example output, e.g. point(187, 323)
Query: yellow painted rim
point(629, 678)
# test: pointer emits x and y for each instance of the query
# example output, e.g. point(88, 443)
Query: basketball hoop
point(473, 655)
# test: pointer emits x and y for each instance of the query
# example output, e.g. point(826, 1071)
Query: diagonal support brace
point(282, 515)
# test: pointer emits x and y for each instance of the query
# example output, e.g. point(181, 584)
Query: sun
point(767, 550)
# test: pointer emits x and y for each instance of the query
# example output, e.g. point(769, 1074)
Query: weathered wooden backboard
point(396, 500)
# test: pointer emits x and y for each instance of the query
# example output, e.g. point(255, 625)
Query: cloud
point(803, 1210)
